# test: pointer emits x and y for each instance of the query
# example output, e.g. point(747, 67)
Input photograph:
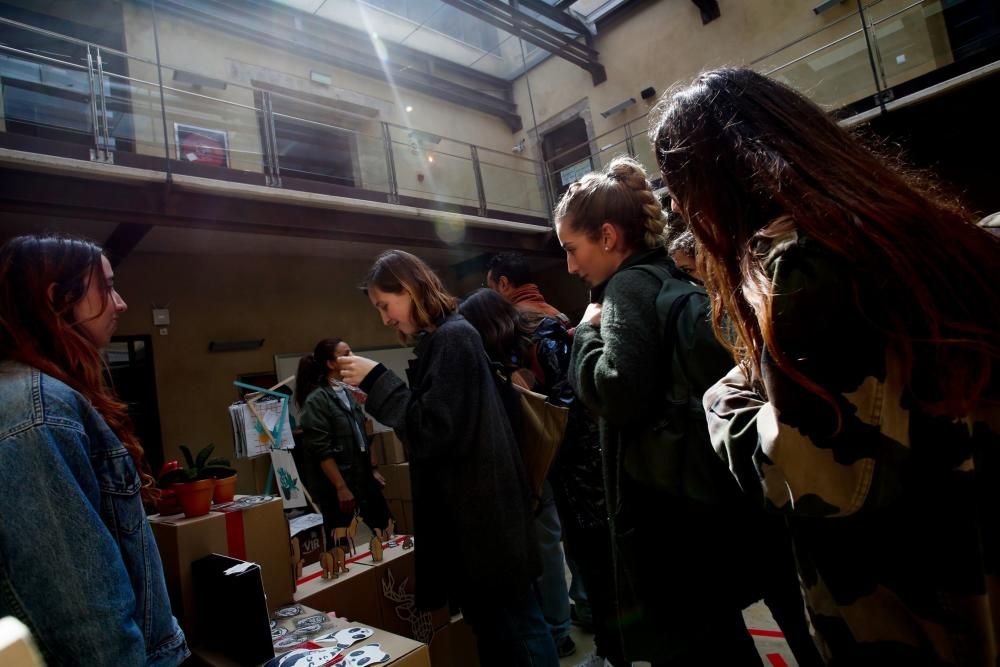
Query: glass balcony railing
point(69, 97)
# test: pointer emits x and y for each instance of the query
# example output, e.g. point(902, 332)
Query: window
point(444, 19)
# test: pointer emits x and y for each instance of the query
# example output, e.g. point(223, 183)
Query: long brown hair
point(747, 157)
point(312, 371)
point(41, 331)
point(621, 195)
point(398, 272)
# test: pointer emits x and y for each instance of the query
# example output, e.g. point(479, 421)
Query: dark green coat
point(667, 596)
point(327, 433)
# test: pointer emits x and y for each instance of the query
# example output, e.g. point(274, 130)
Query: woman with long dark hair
point(339, 471)
point(862, 310)
point(78, 563)
point(535, 350)
point(470, 496)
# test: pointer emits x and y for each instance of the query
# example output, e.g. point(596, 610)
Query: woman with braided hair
point(674, 605)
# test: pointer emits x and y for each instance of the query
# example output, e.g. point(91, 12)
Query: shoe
point(565, 646)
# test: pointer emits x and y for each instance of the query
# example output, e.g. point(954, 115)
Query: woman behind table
point(864, 310)
point(78, 564)
point(470, 497)
point(339, 471)
point(536, 351)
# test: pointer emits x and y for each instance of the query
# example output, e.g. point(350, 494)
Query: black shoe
point(565, 646)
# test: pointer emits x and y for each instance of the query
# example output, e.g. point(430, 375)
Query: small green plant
point(198, 467)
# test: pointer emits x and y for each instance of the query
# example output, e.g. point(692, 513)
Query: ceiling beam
point(510, 18)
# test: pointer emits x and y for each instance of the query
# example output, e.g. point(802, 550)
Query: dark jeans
point(511, 631)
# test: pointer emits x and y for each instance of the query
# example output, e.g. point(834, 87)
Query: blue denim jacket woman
point(78, 564)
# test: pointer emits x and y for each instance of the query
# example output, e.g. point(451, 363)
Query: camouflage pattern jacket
point(895, 517)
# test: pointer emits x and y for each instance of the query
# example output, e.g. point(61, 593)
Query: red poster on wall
point(201, 145)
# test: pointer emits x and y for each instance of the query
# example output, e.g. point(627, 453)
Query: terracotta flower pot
point(195, 497)
point(225, 489)
point(168, 503)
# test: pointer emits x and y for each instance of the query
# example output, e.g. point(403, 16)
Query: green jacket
point(667, 596)
point(895, 517)
point(327, 433)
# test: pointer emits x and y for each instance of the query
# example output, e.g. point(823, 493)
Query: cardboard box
point(351, 594)
point(388, 448)
point(248, 529)
point(454, 645)
point(395, 579)
point(307, 532)
point(402, 652)
point(397, 481)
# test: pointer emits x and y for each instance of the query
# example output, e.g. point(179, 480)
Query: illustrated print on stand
point(346, 637)
point(309, 658)
point(288, 612)
point(370, 654)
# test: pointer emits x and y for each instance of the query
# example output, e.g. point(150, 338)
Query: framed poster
point(201, 145)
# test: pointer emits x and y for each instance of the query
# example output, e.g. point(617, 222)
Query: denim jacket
point(78, 564)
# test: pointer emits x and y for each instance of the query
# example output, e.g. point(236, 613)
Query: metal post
point(163, 100)
point(629, 146)
point(108, 155)
point(880, 94)
point(96, 153)
point(390, 165)
point(271, 139)
point(477, 170)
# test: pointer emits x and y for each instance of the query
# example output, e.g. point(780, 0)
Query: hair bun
point(628, 171)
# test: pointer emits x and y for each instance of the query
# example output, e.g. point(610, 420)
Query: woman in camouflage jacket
point(862, 310)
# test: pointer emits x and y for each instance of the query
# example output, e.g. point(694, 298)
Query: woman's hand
point(346, 499)
point(592, 315)
point(355, 369)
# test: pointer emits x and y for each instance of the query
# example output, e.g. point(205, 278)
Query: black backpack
point(674, 454)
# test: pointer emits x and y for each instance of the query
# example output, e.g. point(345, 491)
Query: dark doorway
point(566, 150)
point(130, 359)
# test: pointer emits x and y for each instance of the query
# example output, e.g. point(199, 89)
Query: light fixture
point(621, 106)
point(825, 5)
point(409, 108)
point(430, 158)
point(320, 78)
point(647, 93)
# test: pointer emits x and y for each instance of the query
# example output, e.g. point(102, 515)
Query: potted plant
point(194, 484)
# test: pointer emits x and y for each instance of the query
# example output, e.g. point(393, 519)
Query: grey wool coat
point(470, 498)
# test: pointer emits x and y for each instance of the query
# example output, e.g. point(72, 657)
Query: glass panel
point(831, 67)
point(432, 167)
point(643, 149)
point(117, 353)
point(512, 183)
point(134, 112)
point(212, 124)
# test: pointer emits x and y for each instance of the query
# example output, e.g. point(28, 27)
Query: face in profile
point(396, 310)
point(585, 257)
point(97, 313)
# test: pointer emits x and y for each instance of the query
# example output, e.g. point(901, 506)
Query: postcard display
point(261, 426)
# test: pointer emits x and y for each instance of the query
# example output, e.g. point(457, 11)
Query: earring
point(605, 248)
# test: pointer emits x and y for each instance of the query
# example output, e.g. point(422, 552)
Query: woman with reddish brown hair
point(862, 309)
point(78, 564)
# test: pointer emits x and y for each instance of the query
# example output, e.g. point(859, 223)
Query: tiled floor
point(773, 650)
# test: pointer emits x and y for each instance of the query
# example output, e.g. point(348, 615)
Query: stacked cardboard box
point(377, 593)
point(252, 528)
point(388, 448)
point(399, 495)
